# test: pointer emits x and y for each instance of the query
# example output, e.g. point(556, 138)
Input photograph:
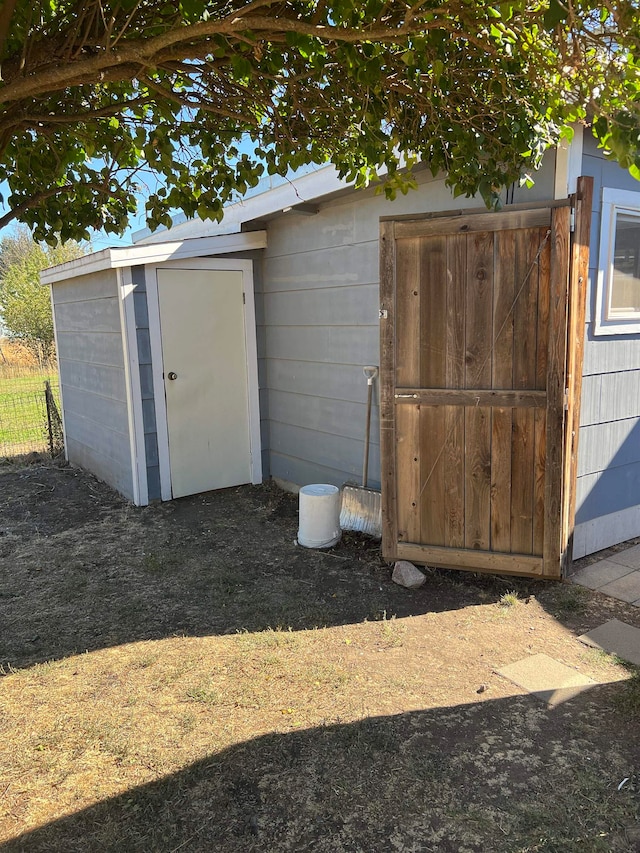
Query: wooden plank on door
point(433, 441)
point(408, 473)
point(432, 313)
point(522, 480)
point(578, 275)
point(454, 462)
point(454, 467)
point(409, 298)
point(542, 343)
point(501, 437)
point(502, 377)
point(387, 385)
point(540, 425)
point(540, 459)
point(477, 505)
point(474, 397)
point(558, 307)
point(478, 350)
point(478, 310)
point(528, 246)
point(432, 332)
point(483, 222)
point(472, 560)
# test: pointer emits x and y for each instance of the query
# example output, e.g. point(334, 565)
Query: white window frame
point(614, 202)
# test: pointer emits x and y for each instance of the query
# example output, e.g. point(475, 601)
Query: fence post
point(47, 396)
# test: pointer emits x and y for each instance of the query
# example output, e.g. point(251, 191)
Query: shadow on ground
point(80, 570)
point(505, 775)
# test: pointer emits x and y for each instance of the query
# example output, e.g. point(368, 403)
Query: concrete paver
point(626, 588)
point(547, 679)
point(617, 576)
point(630, 557)
point(598, 574)
point(617, 638)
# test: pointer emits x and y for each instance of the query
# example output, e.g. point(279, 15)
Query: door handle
point(172, 375)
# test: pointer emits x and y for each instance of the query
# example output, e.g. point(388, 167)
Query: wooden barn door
point(476, 341)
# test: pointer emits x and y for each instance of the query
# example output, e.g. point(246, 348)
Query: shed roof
point(155, 253)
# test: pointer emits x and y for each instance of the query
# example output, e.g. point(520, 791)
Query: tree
point(191, 101)
point(25, 305)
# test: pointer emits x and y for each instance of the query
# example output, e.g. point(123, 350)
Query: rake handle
point(367, 430)
point(370, 372)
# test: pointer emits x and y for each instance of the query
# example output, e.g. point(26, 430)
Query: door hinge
point(572, 220)
point(244, 298)
point(566, 399)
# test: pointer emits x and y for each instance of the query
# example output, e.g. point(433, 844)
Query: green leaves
point(475, 90)
point(556, 13)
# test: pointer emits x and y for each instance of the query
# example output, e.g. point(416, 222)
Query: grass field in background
point(23, 412)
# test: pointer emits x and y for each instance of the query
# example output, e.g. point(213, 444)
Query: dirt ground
point(184, 677)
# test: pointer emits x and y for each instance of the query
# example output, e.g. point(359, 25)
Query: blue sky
point(99, 240)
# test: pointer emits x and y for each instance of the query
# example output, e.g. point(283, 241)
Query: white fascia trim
point(575, 159)
point(174, 250)
point(569, 164)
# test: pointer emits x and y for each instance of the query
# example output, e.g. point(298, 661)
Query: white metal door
point(205, 378)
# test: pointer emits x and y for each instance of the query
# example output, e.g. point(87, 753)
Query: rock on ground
point(407, 575)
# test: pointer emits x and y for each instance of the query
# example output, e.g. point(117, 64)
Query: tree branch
point(193, 40)
point(15, 212)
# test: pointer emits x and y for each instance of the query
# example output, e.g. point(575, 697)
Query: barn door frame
point(570, 224)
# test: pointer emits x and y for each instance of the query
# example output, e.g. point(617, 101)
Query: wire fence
point(29, 412)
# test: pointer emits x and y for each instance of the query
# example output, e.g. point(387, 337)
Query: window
point(618, 285)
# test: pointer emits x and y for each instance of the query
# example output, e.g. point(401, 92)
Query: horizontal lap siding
point(609, 449)
point(257, 259)
point(320, 329)
point(92, 377)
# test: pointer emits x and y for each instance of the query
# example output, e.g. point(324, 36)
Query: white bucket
point(319, 516)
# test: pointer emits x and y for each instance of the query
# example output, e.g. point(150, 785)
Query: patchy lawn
point(185, 678)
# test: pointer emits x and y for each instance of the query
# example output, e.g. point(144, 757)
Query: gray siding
point(320, 315)
point(92, 377)
point(609, 449)
point(143, 343)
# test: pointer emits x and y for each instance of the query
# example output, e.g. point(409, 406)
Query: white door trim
point(218, 264)
point(160, 405)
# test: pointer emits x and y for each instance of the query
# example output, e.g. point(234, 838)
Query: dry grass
point(17, 359)
point(377, 723)
point(23, 413)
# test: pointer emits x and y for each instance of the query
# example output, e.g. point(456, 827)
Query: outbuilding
point(211, 355)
